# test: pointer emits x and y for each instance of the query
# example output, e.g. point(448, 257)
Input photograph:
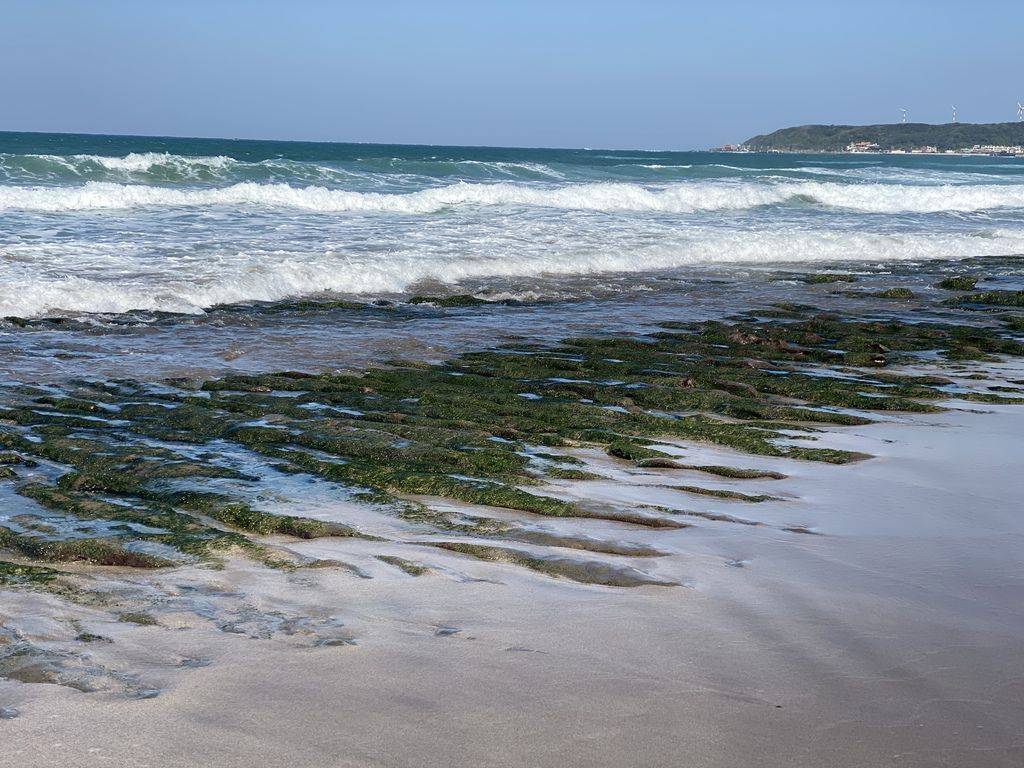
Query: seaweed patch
point(127, 474)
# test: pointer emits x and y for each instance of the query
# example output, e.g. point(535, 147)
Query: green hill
point(832, 138)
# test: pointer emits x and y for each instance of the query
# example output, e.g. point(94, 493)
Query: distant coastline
point(1000, 139)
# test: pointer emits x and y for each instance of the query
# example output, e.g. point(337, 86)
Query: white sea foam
point(688, 197)
point(166, 167)
point(193, 231)
point(42, 279)
point(143, 162)
point(512, 168)
point(133, 163)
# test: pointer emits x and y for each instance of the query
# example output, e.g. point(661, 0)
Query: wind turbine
point(1020, 111)
point(954, 114)
point(905, 114)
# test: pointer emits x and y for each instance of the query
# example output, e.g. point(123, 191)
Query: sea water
point(106, 225)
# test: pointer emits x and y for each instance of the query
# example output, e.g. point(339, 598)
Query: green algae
point(95, 551)
point(990, 298)
point(458, 300)
point(544, 538)
point(557, 458)
point(89, 637)
point(632, 451)
point(409, 567)
point(895, 293)
point(171, 528)
point(180, 531)
point(15, 574)
point(720, 493)
point(465, 430)
point(714, 469)
point(142, 619)
point(10, 458)
point(718, 517)
point(243, 517)
point(958, 283)
point(563, 473)
point(583, 571)
point(475, 525)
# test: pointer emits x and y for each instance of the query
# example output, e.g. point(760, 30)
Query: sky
point(641, 74)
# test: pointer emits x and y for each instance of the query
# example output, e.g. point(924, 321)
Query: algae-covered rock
point(958, 283)
point(991, 298)
point(584, 571)
point(459, 300)
point(828, 277)
point(896, 293)
point(137, 617)
point(632, 451)
point(96, 551)
point(19, 573)
point(410, 568)
point(721, 471)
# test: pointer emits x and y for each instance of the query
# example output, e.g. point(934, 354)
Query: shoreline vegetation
point(904, 137)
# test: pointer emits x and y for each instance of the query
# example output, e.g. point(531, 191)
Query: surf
point(604, 196)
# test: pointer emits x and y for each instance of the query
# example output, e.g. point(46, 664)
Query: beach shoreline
point(806, 612)
point(869, 644)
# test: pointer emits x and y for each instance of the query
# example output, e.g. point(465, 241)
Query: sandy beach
point(891, 638)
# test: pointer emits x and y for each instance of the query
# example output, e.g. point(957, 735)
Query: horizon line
point(364, 143)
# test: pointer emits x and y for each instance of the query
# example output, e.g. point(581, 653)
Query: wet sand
point(893, 638)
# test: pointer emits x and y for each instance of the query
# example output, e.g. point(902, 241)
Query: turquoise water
point(115, 224)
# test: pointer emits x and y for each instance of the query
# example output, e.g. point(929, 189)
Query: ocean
point(107, 225)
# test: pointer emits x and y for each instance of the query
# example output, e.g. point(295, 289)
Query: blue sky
point(643, 74)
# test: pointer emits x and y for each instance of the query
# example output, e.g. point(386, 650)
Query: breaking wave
point(148, 166)
point(116, 283)
point(168, 168)
point(114, 225)
point(602, 196)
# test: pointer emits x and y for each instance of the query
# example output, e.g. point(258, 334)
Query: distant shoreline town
point(871, 148)
point(985, 139)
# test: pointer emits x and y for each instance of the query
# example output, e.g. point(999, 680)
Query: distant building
point(994, 149)
point(862, 146)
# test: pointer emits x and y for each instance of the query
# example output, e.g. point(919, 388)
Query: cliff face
point(830, 138)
